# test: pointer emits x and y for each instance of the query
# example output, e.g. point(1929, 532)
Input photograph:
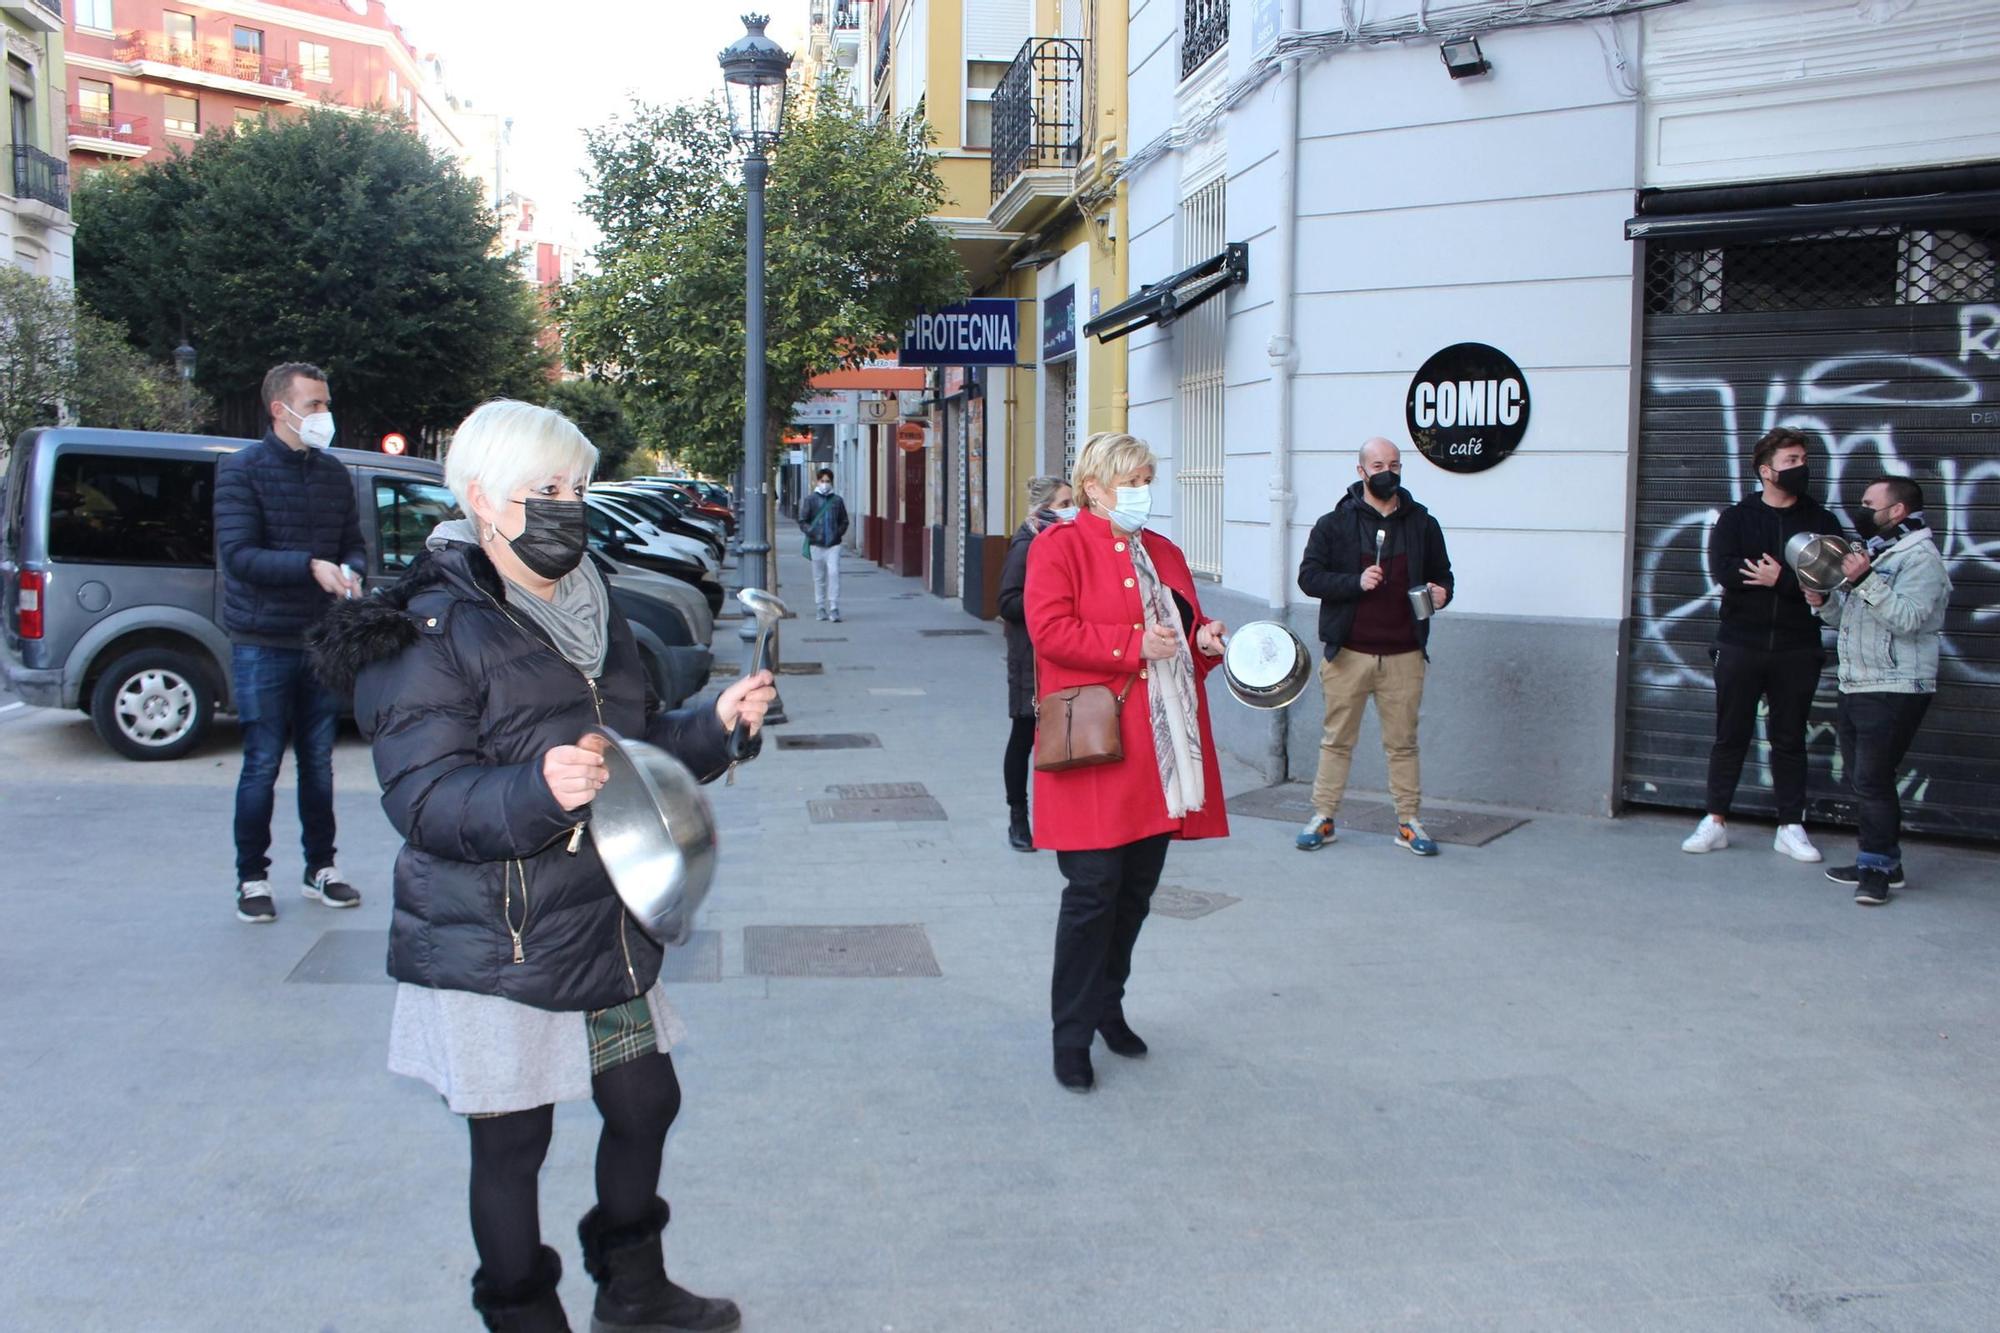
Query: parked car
point(611, 536)
point(664, 513)
point(110, 599)
point(702, 504)
point(684, 548)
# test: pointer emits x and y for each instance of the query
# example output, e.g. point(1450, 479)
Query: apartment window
point(94, 14)
point(981, 78)
point(1204, 30)
point(183, 116)
point(248, 119)
point(1198, 336)
point(249, 41)
point(316, 61)
point(93, 102)
point(178, 29)
point(21, 118)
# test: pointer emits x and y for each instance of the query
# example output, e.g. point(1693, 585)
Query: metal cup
point(1420, 602)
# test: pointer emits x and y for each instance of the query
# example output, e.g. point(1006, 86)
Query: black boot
point(1121, 1039)
point(531, 1307)
point(633, 1293)
point(1073, 1069)
point(1019, 836)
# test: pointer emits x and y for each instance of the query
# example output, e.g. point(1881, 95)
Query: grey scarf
point(577, 621)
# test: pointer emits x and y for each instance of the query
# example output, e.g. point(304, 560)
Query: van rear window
point(111, 509)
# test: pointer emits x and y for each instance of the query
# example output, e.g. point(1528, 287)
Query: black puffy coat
point(278, 509)
point(1341, 547)
point(1020, 653)
point(462, 698)
point(1772, 618)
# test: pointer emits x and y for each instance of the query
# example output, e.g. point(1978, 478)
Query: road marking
point(8, 708)
point(901, 690)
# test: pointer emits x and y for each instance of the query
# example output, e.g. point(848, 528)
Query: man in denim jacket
point(1889, 613)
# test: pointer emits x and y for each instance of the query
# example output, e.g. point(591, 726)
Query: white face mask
point(315, 430)
point(824, 488)
point(1134, 507)
point(1064, 514)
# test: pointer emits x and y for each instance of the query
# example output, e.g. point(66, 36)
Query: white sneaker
point(1792, 841)
point(1710, 835)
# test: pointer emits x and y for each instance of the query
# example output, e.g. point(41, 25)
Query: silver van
point(111, 601)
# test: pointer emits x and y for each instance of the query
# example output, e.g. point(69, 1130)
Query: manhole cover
point(1187, 904)
point(838, 951)
point(832, 740)
point(345, 958)
point(801, 669)
point(829, 639)
point(953, 633)
point(876, 791)
point(883, 810)
point(700, 959)
point(854, 668)
point(906, 596)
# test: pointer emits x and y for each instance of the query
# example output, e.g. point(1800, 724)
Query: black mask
point(1793, 481)
point(552, 541)
point(1873, 523)
point(1383, 485)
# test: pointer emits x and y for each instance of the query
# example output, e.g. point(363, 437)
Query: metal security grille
point(1204, 28)
point(1069, 418)
point(1198, 336)
point(1883, 346)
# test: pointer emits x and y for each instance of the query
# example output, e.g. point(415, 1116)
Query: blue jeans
point(280, 704)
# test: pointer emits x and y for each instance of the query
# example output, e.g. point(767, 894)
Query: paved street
point(1572, 1079)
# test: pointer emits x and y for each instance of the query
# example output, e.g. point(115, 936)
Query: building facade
point(34, 214)
point(1574, 258)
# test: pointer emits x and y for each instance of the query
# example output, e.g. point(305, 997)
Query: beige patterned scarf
point(1175, 710)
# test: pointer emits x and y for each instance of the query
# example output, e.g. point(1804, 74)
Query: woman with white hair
point(481, 680)
point(1112, 604)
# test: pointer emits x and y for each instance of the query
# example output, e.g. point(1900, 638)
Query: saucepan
point(1266, 665)
point(1815, 557)
point(655, 833)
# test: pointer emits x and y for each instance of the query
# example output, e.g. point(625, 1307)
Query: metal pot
point(1421, 607)
point(655, 834)
point(1266, 665)
point(1815, 558)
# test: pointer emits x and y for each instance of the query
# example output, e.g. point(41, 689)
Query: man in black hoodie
point(1768, 645)
point(1362, 562)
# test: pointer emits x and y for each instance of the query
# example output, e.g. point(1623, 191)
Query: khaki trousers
point(1397, 685)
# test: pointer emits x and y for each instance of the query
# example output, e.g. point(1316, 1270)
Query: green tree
point(333, 238)
point(61, 363)
point(598, 409)
point(851, 254)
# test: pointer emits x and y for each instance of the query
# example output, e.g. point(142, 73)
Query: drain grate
point(876, 791)
point(898, 690)
point(838, 951)
point(954, 633)
point(832, 638)
point(876, 810)
point(801, 669)
point(831, 740)
point(1187, 904)
point(700, 959)
point(345, 958)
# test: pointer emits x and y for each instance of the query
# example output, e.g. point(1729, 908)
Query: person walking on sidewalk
point(1362, 562)
point(1767, 647)
point(823, 519)
point(483, 680)
point(1048, 502)
point(1890, 614)
point(288, 540)
point(1110, 603)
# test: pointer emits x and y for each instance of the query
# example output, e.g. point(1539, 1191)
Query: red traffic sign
point(909, 437)
point(394, 443)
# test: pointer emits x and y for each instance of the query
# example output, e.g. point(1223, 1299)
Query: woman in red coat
point(1111, 604)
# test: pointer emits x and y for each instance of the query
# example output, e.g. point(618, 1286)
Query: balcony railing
point(89, 124)
point(1038, 110)
point(230, 64)
point(835, 14)
point(1204, 28)
point(881, 51)
point(40, 177)
point(53, 6)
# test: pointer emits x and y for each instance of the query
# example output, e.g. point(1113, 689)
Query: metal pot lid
point(1261, 655)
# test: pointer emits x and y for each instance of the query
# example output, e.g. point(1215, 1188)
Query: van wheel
point(153, 704)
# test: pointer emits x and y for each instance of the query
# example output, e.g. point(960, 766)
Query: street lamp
point(754, 70)
point(184, 361)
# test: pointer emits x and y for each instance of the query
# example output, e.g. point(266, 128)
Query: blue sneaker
point(1316, 834)
point(1411, 835)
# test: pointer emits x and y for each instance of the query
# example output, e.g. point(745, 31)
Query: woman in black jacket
point(1049, 501)
point(481, 680)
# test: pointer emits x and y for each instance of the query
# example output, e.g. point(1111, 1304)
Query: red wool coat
point(1084, 616)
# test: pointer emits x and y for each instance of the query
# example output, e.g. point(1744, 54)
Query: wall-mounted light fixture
point(1463, 58)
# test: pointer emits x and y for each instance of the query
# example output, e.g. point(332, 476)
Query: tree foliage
point(61, 363)
point(598, 409)
point(333, 238)
point(850, 255)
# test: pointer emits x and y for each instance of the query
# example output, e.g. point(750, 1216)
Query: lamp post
point(184, 361)
point(754, 69)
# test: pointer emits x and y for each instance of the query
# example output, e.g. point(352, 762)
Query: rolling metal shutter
point(1883, 342)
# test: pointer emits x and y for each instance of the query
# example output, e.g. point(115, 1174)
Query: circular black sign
point(1468, 407)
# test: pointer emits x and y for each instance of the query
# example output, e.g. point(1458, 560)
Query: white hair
point(505, 444)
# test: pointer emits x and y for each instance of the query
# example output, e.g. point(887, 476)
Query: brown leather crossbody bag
point(1078, 727)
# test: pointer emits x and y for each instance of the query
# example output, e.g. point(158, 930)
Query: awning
point(1791, 219)
point(1167, 300)
point(884, 378)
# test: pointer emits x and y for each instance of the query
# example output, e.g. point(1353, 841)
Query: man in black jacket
point(289, 543)
point(1362, 562)
point(1767, 647)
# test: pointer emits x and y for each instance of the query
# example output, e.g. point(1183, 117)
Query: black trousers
point(1875, 732)
point(1103, 906)
point(1020, 750)
point(1788, 678)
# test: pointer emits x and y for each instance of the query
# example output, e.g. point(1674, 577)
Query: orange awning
point(882, 378)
